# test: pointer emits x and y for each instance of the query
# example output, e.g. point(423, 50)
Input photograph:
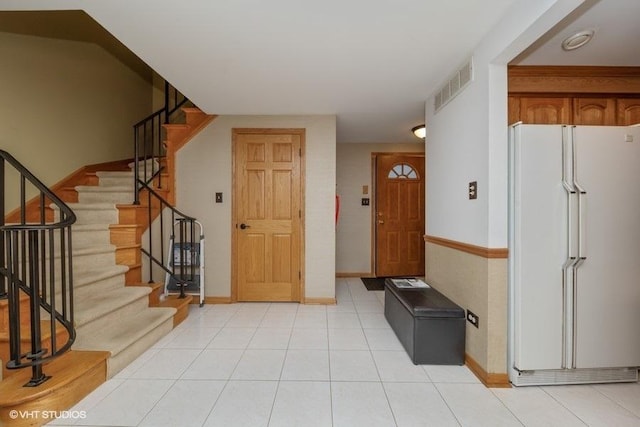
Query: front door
point(399, 215)
point(267, 214)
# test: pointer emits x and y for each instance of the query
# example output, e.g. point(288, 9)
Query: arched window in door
point(403, 171)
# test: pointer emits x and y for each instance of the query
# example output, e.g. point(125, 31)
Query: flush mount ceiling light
point(420, 131)
point(577, 40)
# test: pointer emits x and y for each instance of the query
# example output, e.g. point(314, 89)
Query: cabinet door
point(628, 111)
point(594, 111)
point(513, 109)
point(546, 111)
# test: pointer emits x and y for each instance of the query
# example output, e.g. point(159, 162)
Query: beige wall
point(204, 167)
point(353, 233)
point(66, 104)
point(478, 284)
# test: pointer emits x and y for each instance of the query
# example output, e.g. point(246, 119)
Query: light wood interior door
point(267, 214)
point(399, 215)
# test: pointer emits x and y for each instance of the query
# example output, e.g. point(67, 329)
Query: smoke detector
point(577, 40)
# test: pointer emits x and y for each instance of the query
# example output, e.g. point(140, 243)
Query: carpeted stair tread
point(98, 304)
point(105, 188)
point(90, 206)
point(127, 330)
point(93, 213)
point(108, 174)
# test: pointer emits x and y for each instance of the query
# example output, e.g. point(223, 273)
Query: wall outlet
point(472, 318)
point(473, 190)
point(365, 201)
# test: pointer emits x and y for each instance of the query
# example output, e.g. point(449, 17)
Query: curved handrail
point(69, 216)
point(35, 260)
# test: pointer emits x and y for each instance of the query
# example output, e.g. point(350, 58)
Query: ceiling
point(372, 63)
point(615, 43)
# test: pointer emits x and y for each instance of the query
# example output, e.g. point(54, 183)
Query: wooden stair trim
point(194, 130)
point(73, 375)
point(25, 318)
point(173, 145)
point(180, 304)
point(62, 337)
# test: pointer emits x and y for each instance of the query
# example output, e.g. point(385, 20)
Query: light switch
point(365, 189)
point(473, 190)
point(218, 197)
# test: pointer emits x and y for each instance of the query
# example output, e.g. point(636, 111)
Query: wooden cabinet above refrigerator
point(600, 96)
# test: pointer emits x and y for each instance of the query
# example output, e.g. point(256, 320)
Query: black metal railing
point(179, 266)
point(36, 264)
point(148, 138)
point(172, 225)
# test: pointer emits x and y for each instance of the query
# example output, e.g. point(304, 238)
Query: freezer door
point(538, 246)
point(608, 282)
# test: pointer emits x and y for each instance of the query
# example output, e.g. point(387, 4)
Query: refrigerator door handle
point(582, 250)
point(574, 314)
point(582, 203)
point(568, 183)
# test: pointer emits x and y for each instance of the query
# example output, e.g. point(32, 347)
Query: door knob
point(380, 221)
point(243, 226)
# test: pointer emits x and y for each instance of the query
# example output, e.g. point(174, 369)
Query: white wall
point(467, 139)
point(204, 167)
point(353, 232)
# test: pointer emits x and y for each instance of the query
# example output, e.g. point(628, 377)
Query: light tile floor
point(289, 365)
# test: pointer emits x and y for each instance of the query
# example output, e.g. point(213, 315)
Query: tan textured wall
point(204, 167)
point(66, 104)
point(480, 285)
point(353, 233)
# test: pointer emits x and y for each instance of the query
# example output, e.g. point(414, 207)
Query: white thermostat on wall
point(628, 138)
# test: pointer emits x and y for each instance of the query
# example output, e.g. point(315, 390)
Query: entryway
point(399, 214)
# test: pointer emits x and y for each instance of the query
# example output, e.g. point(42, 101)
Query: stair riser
point(126, 235)
point(81, 293)
point(82, 238)
point(85, 239)
point(117, 181)
point(119, 361)
point(115, 197)
point(84, 262)
point(95, 216)
point(114, 281)
point(94, 326)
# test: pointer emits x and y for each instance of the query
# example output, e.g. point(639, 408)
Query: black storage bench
point(429, 325)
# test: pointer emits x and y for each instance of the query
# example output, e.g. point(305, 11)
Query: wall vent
point(454, 85)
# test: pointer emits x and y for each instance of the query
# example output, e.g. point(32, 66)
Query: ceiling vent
point(454, 85)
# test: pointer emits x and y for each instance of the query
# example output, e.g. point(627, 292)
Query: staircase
point(110, 316)
point(117, 315)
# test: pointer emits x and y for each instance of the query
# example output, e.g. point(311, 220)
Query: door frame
point(234, 211)
point(374, 201)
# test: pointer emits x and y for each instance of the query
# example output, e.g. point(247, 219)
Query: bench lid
point(426, 302)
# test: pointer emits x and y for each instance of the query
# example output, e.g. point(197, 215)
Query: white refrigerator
point(574, 254)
